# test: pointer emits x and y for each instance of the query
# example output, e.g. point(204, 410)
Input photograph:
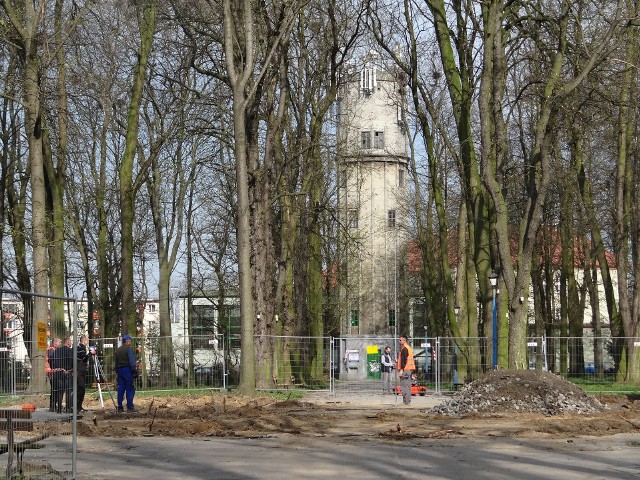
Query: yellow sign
point(42, 335)
point(371, 349)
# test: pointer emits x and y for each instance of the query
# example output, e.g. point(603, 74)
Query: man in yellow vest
point(406, 367)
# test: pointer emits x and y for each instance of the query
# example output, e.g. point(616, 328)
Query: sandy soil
point(371, 415)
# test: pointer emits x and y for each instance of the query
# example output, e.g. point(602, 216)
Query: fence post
point(437, 366)
point(332, 346)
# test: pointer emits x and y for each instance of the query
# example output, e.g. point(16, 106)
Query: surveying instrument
point(100, 378)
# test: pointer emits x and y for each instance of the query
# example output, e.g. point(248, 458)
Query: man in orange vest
point(406, 367)
point(48, 370)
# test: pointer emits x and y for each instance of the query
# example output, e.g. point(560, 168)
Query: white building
point(214, 332)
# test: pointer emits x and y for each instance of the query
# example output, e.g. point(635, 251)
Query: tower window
point(391, 218)
point(401, 177)
point(354, 318)
point(365, 139)
point(392, 317)
point(378, 139)
point(353, 218)
point(368, 80)
point(342, 178)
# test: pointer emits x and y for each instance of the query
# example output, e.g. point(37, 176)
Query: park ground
point(523, 404)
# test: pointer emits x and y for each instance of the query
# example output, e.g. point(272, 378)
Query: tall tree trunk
point(16, 181)
point(128, 188)
point(25, 20)
point(239, 23)
point(623, 234)
point(458, 73)
point(56, 171)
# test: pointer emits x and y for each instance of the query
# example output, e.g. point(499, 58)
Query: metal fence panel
point(213, 362)
point(585, 357)
point(29, 392)
point(164, 362)
point(296, 362)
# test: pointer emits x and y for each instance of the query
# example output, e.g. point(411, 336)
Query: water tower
point(372, 197)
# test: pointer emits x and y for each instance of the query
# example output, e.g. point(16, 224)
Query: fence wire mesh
point(39, 439)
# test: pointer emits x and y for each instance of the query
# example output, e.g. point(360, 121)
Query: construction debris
point(524, 391)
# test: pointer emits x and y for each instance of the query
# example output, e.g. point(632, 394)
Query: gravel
point(524, 391)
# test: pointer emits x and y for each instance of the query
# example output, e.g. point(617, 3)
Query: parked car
point(589, 367)
point(210, 375)
point(153, 377)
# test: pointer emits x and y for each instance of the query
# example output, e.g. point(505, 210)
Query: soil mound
point(529, 391)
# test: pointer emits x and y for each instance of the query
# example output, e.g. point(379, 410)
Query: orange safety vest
point(411, 365)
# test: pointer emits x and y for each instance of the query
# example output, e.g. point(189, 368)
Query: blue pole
point(495, 332)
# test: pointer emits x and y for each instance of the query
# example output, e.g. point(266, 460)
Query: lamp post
point(493, 278)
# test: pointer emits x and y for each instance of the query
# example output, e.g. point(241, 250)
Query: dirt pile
point(524, 391)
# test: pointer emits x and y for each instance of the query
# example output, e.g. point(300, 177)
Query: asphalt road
point(289, 456)
point(349, 456)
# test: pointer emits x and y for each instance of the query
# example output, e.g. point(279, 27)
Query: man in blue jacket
point(127, 370)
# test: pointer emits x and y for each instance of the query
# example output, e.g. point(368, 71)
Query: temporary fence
point(347, 364)
point(38, 442)
point(166, 363)
point(445, 364)
point(213, 362)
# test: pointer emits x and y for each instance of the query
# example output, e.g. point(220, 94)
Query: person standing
point(406, 367)
point(127, 370)
point(61, 361)
point(82, 352)
point(49, 371)
point(386, 366)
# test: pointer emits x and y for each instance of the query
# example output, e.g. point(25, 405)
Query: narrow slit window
point(355, 320)
point(391, 218)
point(365, 140)
point(378, 139)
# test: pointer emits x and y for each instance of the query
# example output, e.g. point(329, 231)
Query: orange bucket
point(29, 406)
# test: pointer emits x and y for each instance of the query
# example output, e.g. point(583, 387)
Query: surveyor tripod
point(101, 379)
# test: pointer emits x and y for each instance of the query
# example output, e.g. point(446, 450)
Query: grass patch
point(594, 384)
point(292, 394)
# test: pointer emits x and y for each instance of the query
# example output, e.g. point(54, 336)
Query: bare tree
point(24, 19)
point(147, 14)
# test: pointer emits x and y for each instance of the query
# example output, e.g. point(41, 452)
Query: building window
point(392, 317)
point(232, 322)
point(152, 307)
point(391, 218)
point(204, 320)
point(401, 177)
point(365, 138)
point(378, 139)
point(343, 178)
point(368, 80)
point(353, 218)
point(355, 321)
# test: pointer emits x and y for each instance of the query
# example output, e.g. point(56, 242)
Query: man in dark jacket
point(49, 370)
point(82, 352)
point(127, 370)
point(61, 360)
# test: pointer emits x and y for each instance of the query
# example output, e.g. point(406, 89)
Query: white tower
point(372, 178)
